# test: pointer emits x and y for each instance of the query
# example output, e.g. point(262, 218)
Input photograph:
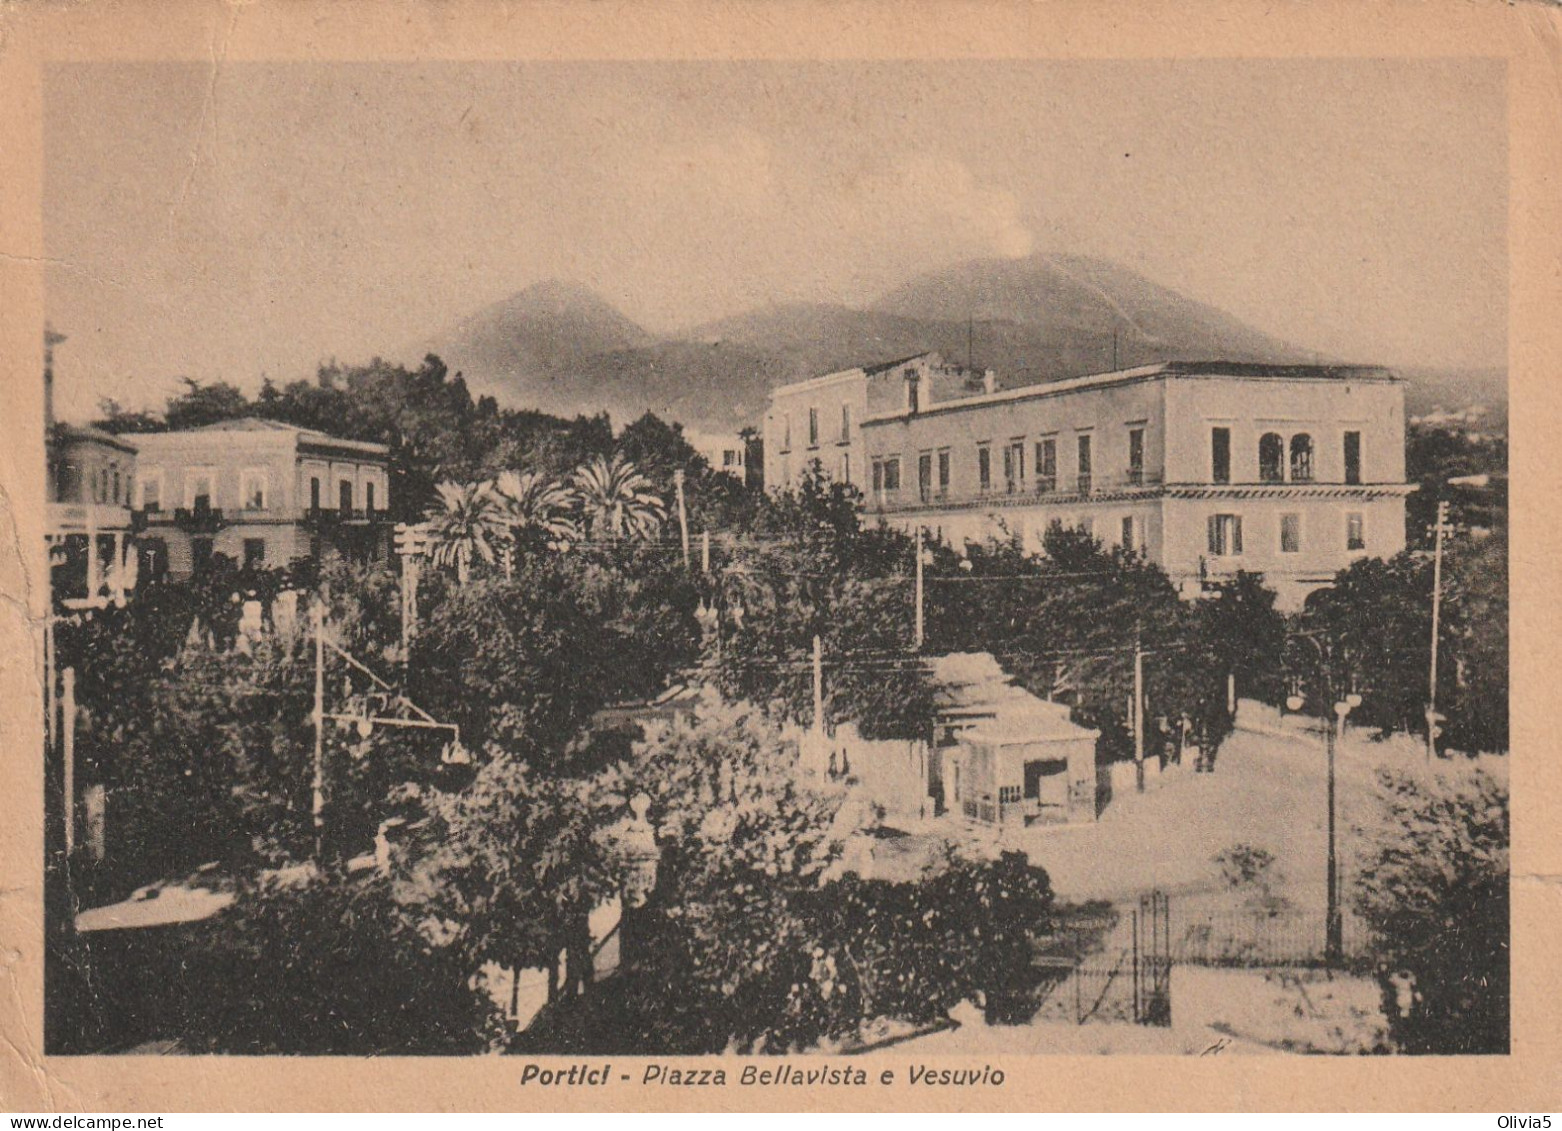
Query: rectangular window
point(1129, 541)
point(913, 395)
point(116, 487)
point(813, 427)
point(1355, 531)
point(984, 468)
point(846, 422)
point(201, 556)
point(1220, 455)
point(1225, 535)
point(925, 477)
point(254, 491)
point(368, 495)
point(152, 493)
point(254, 553)
point(943, 473)
point(846, 467)
point(892, 475)
point(1087, 526)
point(1353, 457)
point(878, 477)
point(1046, 465)
point(1014, 466)
point(1290, 534)
point(200, 491)
point(314, 492)
point(1084, 464)
point(344, 494)
point(1135, 456)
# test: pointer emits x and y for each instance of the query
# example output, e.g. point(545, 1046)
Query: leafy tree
point(617, 501)
point(514, 864)
point(1378, 619)
point(204, 404)
point(1243, 635)
point(773, 945)
point(1066, 625)
point(1433, 457)
point(516, 661)
point(467, 525)
point(330, 964)
point(809, 569)
point(1433, 887)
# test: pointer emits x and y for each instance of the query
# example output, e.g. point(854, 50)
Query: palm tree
point(616, 499)
point(536, 506)
point(468, 522)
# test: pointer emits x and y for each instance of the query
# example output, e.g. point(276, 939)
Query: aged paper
point(1140, 298)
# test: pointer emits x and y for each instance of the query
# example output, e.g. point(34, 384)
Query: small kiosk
point(1004, 757)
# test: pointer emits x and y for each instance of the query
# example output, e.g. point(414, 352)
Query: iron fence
point(1265, 938)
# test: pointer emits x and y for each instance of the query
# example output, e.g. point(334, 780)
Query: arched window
point(1271, 458)
point(1301, 458)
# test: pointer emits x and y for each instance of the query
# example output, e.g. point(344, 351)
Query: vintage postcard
point(779, 556)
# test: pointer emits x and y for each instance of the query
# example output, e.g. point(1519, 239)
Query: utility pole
point(683, 516)
point(1138, 708)
point(317, 622)
point(48, 682)
point(1437, 608)
point(705, 552)
point(970, 341)
point(818, 686)
point(1114, 349)
point(68, 755)
point(919, 634)
point(411, 545)
point(1333, 946)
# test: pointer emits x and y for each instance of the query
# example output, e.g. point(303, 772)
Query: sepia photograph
point(775, 558)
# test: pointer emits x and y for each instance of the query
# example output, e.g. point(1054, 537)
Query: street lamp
point(1333, 924)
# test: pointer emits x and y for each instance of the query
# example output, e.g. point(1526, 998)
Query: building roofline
point(96, 435)
point(835, 378)
point(1182, 370)
point(305, 439)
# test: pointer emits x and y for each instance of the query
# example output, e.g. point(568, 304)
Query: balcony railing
point(199, 520)
point(1019, 492)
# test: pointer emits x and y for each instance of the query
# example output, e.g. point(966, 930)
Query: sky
point(271, 216)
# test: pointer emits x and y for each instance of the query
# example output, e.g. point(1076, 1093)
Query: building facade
point(89, 483)
point(259, 493)
point(1207, 468)
point(90, 526)
point(820, 420)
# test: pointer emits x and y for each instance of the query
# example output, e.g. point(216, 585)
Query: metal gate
point(1152, 959)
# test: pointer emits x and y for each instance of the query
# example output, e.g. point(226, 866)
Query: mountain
point(526, 345)
point(1072, 306)
point(561, 348)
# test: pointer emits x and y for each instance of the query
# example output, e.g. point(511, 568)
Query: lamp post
point(1332, 729)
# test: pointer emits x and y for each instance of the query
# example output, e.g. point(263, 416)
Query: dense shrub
point(1434, 887)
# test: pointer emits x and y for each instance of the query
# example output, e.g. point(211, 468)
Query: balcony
point(199, 519)
point(80, 518)
point(325, 517)
point(1020, 493)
